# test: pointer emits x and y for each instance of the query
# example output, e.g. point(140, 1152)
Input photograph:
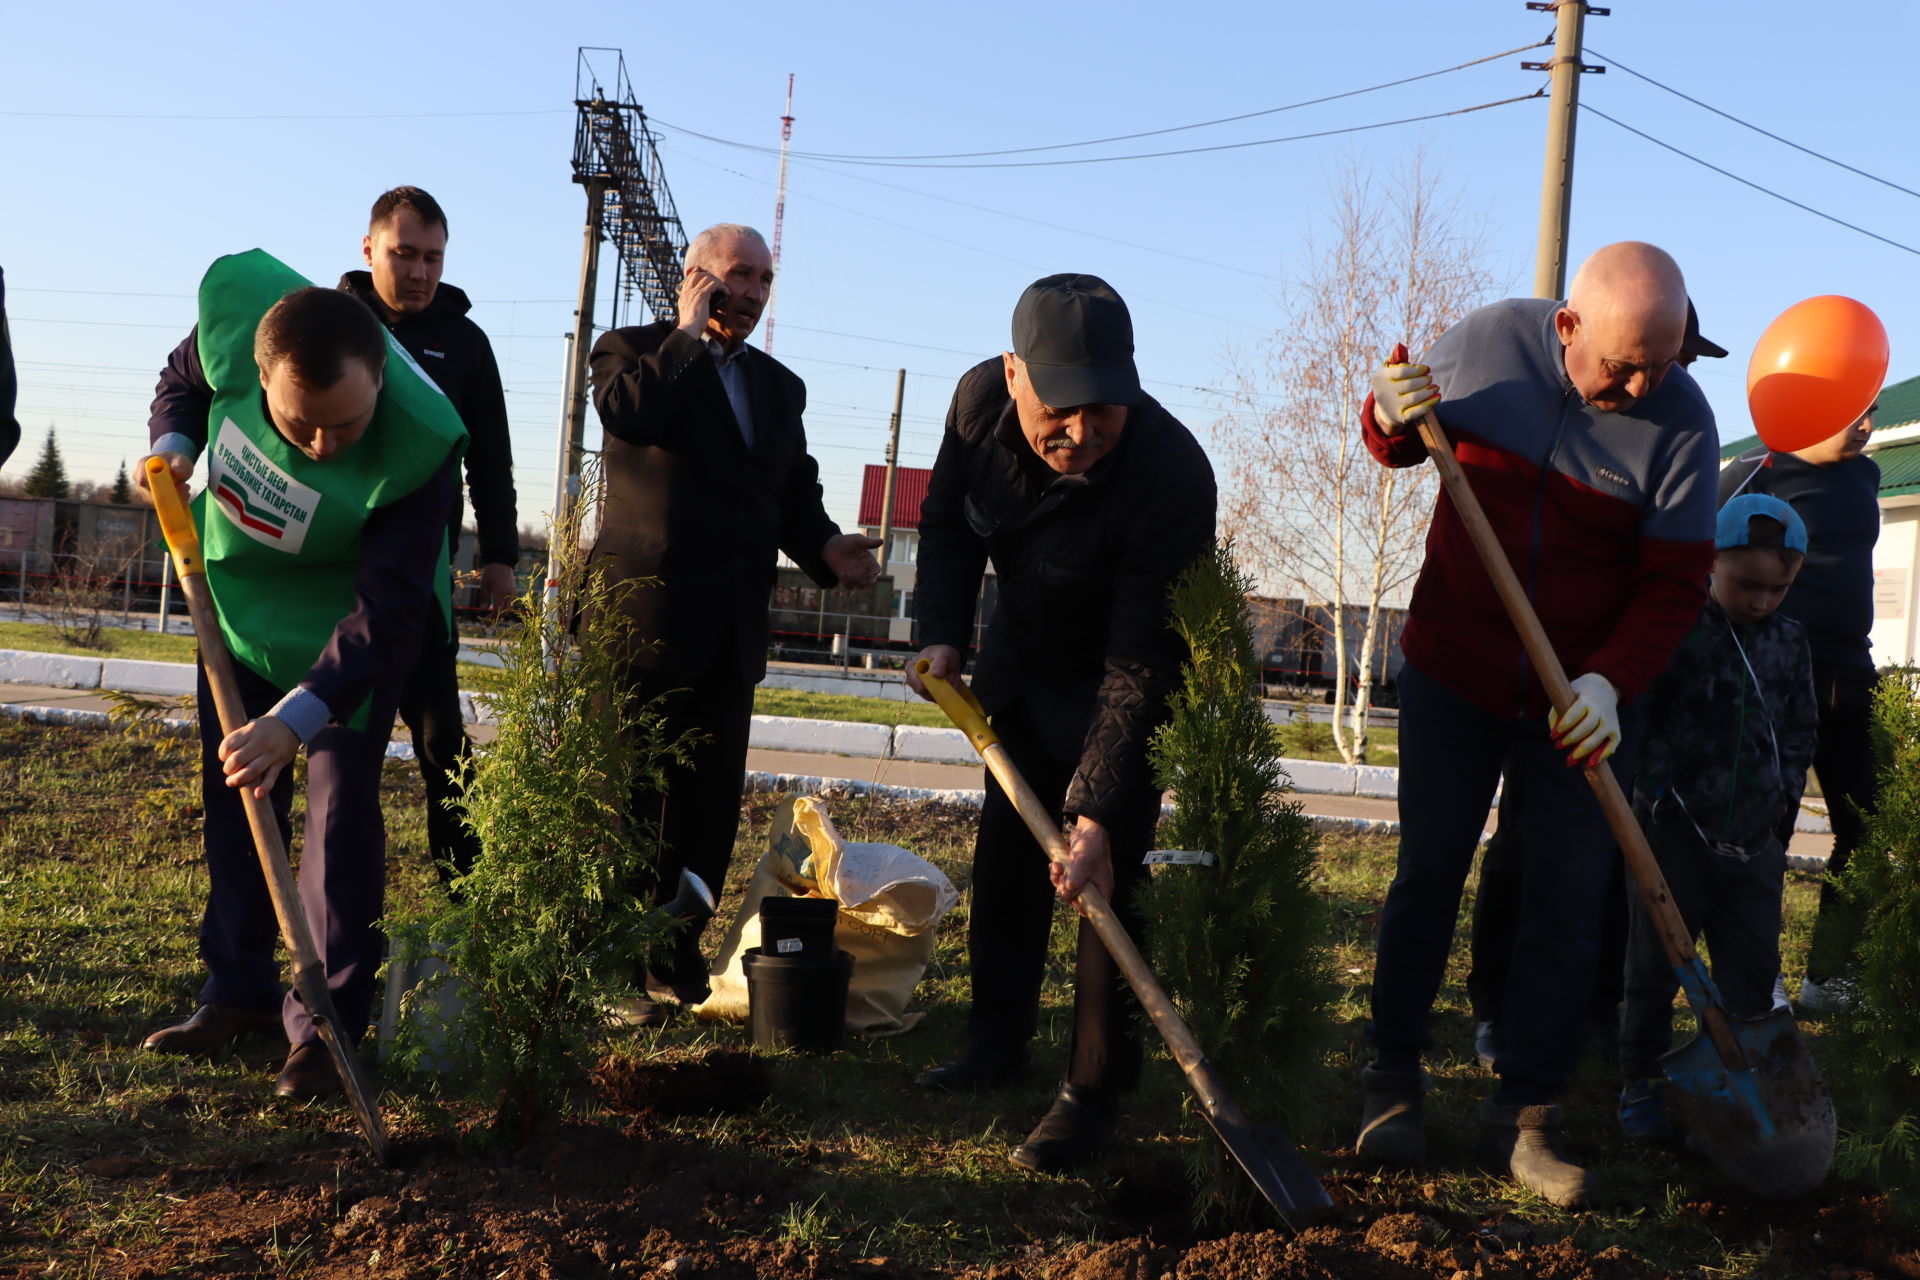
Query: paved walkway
point(899, 773)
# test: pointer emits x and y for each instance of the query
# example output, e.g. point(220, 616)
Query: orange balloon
point(1816, 369)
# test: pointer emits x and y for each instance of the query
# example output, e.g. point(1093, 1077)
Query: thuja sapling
point(1240, 945)
point(542, 934)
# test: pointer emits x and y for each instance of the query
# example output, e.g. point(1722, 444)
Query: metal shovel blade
point(1769, 1128)
point(1276, 1168)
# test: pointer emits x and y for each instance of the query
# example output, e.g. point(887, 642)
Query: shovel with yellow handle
point(1268, 1156)
point(309, 976)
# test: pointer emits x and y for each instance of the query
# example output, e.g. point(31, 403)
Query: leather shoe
point(1074, 1131)
point(309, 1074)
point(211, 1030)
point(680, 975)
point(636, 1012)
point(976, 1071)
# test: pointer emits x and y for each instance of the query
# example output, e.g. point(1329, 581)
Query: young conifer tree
point(1877, 1039)
point(1241, 945)
point(542, 933)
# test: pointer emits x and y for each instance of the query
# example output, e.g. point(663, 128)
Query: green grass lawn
point(100, 890)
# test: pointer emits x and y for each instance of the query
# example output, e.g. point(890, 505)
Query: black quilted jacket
point(1080, 634)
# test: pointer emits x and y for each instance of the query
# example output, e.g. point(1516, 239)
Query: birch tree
point(1317, 518)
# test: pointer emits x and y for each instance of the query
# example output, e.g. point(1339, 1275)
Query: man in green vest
point(331, 463)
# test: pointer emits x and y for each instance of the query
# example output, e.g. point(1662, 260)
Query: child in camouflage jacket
point(1730, 727)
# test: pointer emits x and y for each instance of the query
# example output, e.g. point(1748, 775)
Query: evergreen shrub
point(1241, 946)
point(542, 933)
point(1875, 1062)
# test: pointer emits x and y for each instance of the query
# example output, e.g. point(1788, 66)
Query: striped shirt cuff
point(303, 712)
point(174, 442)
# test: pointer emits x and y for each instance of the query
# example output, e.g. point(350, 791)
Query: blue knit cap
point(1732, 528)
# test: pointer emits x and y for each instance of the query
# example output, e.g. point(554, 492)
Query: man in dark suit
point(707, 478)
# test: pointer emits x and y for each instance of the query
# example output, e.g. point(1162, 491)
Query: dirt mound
point(722, 1082)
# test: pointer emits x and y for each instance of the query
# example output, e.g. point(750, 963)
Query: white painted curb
point(134, 676)
point(933, 746)
point(825, 737)
point(58, 670)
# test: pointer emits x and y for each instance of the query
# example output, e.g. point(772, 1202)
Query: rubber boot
point(1528, 1141)
point(1393, 1121)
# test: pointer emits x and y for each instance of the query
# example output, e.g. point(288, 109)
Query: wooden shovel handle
point(964, 709)
point(309, 975)
point(1647, 878)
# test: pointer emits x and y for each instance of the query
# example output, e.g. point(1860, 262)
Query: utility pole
point(1563, 105)
point(893, 468)
point(617, 160)
point(573, 406)
point(779, 217)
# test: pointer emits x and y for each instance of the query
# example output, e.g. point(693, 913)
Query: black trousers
point(698, 814)
point(430, 708)
point(1496, 915)
point(1012, 914)
point(343, 868)
point(1451, 755)
point(1843, 759)
point(1735, 904)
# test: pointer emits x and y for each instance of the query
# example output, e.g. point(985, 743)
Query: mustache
point(1066, 444)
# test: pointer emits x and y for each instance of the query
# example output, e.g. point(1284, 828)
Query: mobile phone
point(717, 301)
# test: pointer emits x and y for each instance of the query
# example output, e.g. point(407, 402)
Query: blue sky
point(112, 204)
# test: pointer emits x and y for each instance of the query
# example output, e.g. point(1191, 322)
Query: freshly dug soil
point(630, 1199)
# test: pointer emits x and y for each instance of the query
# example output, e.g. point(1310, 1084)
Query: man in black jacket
point(1091, 500)
point(707, 478)
point(405, 251)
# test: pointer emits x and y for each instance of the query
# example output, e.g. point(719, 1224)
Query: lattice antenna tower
point(616, 157)
point(779, 213)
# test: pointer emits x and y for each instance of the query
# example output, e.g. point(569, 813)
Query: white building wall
point(1896, 582)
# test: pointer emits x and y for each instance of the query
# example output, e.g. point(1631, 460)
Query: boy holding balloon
point(1834, 487)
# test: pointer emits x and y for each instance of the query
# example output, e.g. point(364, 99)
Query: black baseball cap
point(1075, 335)
point(1695, 345)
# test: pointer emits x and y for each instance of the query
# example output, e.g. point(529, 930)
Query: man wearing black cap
point(1091, 500)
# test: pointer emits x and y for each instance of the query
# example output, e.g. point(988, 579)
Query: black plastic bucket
point(796, 1003)
point(798, 928)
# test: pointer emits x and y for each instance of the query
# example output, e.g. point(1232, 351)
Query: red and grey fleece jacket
point(1607, 517)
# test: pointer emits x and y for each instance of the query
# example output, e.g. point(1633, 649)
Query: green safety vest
point(280, 533)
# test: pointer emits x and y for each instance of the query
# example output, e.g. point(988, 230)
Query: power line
point(376, 115)
point(1040, 222)
point(1122, 137)
point(1727, 115)
point(1144, 155)
point(1747, 182)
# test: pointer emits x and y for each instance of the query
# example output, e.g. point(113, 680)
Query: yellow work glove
point(1589, 729)
point(1402, 393)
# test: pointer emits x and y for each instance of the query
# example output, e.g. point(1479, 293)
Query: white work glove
point(1589, 730)
point(1402, 393)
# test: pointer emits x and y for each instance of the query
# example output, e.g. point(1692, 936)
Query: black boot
point(1074, 1131)
point(1393, 1123)
point(975, 1070)
point(1528, 1141)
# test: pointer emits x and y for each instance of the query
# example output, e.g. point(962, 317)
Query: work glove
point(1589, 729)
point(1402, 392)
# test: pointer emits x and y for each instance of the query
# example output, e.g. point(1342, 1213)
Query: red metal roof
point(909, 491)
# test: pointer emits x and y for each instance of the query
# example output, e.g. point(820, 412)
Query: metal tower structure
point(779, 215)
point(617, 160)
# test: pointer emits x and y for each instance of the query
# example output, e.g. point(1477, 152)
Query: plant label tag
point(784, 945)
point(1178, 858)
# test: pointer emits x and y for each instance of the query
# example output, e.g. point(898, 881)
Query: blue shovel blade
point(1769, 1126)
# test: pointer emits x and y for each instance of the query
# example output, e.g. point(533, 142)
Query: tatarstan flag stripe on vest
point(283, 552)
